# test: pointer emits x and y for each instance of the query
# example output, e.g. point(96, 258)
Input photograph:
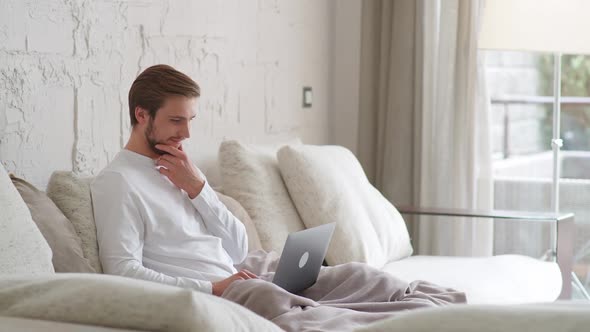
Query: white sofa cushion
point(327, 184)
point(71, 194)
point(251, 175)
point(504, 279)
point(23, 249)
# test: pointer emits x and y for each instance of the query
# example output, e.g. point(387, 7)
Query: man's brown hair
point(151, 88)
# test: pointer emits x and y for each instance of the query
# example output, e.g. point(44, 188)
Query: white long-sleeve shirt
point(147, 228)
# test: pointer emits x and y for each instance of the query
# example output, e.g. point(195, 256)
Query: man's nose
point(186, 130)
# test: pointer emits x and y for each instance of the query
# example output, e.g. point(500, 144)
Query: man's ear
point(142, 115)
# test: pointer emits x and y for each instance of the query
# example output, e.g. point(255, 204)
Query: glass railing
point(523, 166)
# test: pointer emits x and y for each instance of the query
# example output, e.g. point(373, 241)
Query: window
point(521, 89)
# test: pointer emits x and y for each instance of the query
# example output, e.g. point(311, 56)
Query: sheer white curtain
point(424, 134)
point(455, 146)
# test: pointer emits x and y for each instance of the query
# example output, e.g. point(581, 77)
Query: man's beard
point(151, 141)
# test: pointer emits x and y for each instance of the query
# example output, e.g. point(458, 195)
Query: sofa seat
point(503, 279)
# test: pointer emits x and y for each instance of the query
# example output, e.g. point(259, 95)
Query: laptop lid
point(302, 257)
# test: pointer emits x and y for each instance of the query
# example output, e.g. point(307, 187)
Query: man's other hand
point(180, 170)
point(220, 286)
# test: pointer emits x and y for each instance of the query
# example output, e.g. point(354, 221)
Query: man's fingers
point(250, 274)
point(237, 277)
point(169, 158)
point(247, 274)
point(170, 149)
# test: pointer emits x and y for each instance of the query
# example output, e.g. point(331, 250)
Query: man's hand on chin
point(180, 170)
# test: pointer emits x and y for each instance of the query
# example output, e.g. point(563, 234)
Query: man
point(158, 219)
point(156, 216)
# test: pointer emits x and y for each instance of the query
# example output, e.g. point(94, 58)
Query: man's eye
point(175, 120)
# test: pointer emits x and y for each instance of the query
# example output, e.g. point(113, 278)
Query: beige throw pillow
point(56, 228)
point(327, 184)
point(71, 194)
point(250, 174)
point(23, 250)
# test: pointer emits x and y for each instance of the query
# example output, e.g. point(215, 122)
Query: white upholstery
point(504, 279)
point(544, 317)
point(328, 184)
point(22, 247)
point(491, 280)
point(487, 280)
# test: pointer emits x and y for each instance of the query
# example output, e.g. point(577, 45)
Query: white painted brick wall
point(66, 67)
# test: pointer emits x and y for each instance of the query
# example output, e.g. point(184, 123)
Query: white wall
point(66, 67)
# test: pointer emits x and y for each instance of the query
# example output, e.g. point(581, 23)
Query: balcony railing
point(528, 100)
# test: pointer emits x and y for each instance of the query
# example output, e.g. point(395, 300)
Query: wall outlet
point(307, 97)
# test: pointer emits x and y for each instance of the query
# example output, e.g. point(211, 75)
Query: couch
point(264, 189)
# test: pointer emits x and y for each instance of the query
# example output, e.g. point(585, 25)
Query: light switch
point(307, 97)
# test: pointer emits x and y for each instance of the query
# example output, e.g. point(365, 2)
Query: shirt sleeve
point(120, 234)
point(222, 223)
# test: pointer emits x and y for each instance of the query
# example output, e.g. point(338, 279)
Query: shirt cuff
point(203, 286)
point(207, 287)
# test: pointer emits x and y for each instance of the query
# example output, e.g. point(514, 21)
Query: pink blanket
point(345, 297)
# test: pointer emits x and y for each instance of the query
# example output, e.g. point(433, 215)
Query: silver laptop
point(302, 257)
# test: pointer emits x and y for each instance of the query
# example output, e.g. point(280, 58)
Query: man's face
point(171, 124)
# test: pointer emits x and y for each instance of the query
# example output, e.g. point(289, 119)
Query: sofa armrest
point(563, 246)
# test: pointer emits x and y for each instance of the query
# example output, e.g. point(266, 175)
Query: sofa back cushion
point(23, 249)
point(56, 229)
point(327, 184)
point(251, 175)
point(71, 194)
